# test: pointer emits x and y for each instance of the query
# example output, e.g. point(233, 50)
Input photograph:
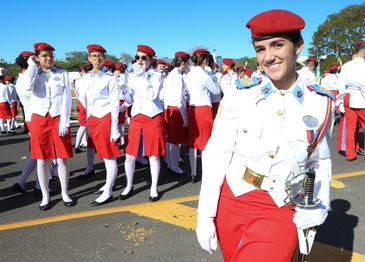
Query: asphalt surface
point(136, 233)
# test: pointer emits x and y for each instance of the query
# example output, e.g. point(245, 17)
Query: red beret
point(336, 64)
point(228, 61)
point(313, 59)
point(360, 43)
point(182, 54)
point(109, 63)
point(248, 72)
point(326, 71)
point(146, 49)
point(95, 48)
point(201, 51)
point(333, 68)
point(241, 68)
point(119, 65)
point(8, 78)
point(161, 62)
point(274, 22)
point(86, 67)
point(27, 53)
point(43, 47)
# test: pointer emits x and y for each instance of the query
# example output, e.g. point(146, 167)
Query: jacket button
point(280, 113)
point(271, 155)
point(245, 130)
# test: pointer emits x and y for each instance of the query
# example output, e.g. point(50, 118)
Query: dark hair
point(178, 60)
point(123, 68)
point(294, 37)
point(358, 48)
point(21, 62)
point(198, 59)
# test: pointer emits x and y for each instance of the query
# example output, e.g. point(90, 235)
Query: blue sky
point(167, 26)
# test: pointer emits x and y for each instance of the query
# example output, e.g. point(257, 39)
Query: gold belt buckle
point(253, 178)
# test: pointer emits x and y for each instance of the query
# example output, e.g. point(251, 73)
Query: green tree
point(338, 34)
point(249, 62)
point(80, 56)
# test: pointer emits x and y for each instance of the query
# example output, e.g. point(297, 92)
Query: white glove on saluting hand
point(62, 131)
point(310, 217)
point(206, 233)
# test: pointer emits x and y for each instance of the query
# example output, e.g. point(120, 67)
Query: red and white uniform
point(24, 97)
point(13, 100)
point(352, 87)
point(216, 99)
point(50, 105)
point(146, 129)
point(122, 81)
point(100, 95)
point(228, 83)
point(200, 85)
point(5, 102)
point(81, 108)
point(175, 107)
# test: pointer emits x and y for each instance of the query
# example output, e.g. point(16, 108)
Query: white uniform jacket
point(51, 92)
point(24, 95)
point(4, 94)
point(352, 81)
point(228, 83)
point(246, 133)
point(13, 94)
point(307, 76)
point(330, 82)
point(144, 92)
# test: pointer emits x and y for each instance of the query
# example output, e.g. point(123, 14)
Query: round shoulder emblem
point(310, 121)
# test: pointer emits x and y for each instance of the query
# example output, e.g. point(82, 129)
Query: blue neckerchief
point(52, 69)
point(266, 90)
point(298, 94)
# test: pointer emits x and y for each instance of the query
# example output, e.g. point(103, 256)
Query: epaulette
point(245, 83)
point(321, 90)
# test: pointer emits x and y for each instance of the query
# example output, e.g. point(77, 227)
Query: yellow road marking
point(337, 184)
point(349, 174)
point(97, 212)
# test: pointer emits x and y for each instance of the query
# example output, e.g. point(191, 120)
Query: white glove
point(114, 135)
point(206, 233)
point(137, 69)
point(310, 217)
point(341, 108)
point(62, 131)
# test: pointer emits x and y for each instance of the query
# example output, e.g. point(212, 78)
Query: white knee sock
point(43, 171)
point(193, 156)
point(121, 130)
point(90, 155)
point(15, 123)
point(29, 166)
point(155, 167)
point(80, 133)
point(129, 166)
point(111, 174)
point(8, 124)
point(174, 158)
point(63, 175)
point(2, 124)
point(11, 124)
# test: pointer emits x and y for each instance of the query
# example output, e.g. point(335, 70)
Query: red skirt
point(81, 114)
point(99, 129)
point(200, 119)
point(215, 107)
point(258, 230)
point(121, 116)
point(14, 109)
point(149, 131)
point(176, 133)
point(5, 112)
point(45, 141)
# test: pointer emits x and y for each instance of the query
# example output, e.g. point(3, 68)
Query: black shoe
point(17, 188)
point(109, 199)
point(4, 132)
point(173, 173)
point(352, 159)
point(53, 179)
point(154, 199)
point(70, 203)
point(124, 197)
point(360, 151)
point(181, 163)
point(194, 179)
point(342, 153)
point(45, 207)
point(11, 132)
point(18, 127)
point(78, 150)
point(91, 173)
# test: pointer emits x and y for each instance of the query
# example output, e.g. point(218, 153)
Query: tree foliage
point(126, 58)
point(340, 31)
point(249, 62)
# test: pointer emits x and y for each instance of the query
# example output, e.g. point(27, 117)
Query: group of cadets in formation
point(166, 105)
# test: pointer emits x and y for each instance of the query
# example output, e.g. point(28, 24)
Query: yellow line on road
point(96, 212)
point(349, 174)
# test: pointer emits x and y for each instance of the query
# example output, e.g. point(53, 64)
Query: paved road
point(136, 230)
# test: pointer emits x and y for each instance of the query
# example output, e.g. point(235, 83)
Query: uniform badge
point(244, 82)
point(298, 94)
point(57, 79)
point(310, 121)
point(266, 90)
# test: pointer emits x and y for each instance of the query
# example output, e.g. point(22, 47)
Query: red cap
point(336, 64)
point(86, 67)
point(274, 22)
point(326, 71)
point(8, 78)
point(228, 61)
point(313, 59)
point(216, 65)
point(182, 54)
point(43, 47)
point(248, 72)
point(161, 62)
point(360, 43)
point(108, 63)
point(201, 51)
point(95, 48)
point(119, 65)
point(27, 53)
point(146, 49)
point(333, 68)
point(241, 68)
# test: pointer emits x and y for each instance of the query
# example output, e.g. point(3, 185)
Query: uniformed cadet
point(352, 92)
point(100, 94)
point(5, 102)
point(199, 84)
point(175, 111)
point(307, 72)
point(14, 102)
point(50, 121)
point(146, 134)
point(256, 143)
point(214, 98)
point(122, 80)
point(228, 80)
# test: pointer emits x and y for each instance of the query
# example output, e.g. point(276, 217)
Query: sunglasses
point(143, 57)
